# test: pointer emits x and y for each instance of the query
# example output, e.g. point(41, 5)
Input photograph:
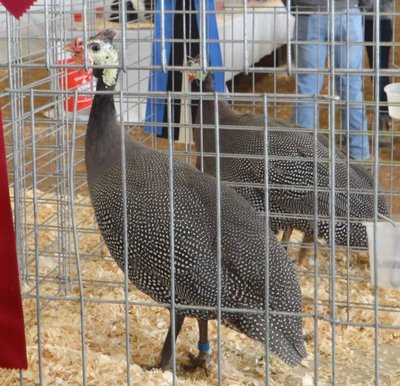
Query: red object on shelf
point(77, 17)
point(100, 12)
point(17, 8)
point(76, 79)
point(12, 334)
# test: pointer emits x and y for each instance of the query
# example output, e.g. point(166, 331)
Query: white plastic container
point(393, 96)
point(388, 254)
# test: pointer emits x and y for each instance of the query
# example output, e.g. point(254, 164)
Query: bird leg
point(203, 360)
point(166, 352)
point(286, 236)
point(303, 256)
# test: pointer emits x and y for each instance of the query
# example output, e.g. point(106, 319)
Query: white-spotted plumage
point(243, 245)
point(291, 174)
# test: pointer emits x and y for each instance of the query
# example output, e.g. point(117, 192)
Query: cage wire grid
point(85, 322)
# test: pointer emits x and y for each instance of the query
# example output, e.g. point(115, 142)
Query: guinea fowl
point(291, 174)
point(243, 246)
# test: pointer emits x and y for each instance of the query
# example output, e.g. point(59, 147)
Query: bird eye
point(95, 47)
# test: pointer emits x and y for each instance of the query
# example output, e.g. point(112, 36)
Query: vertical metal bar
point(185, 102)
point(316, 216)
point(123, 28)
point(76, 242)
point(186, 42)
point(126, 241)
point(140, 60)
point(203, 36)
point(201, 128)
point(163, 49)
point(332, 263)
point(219, 237)
point(348, 251)
point(253, 77)
point(227, 51)
point(47, 39)
point(347, 75)
point(172, 233)
point(377, 72)
point(16, 148)
point(289, 38)
point(21, 378)
point(276, 58)
point(85, 35)
point(376, 184)
point(65, 268)
point(36, 240)
point(296, 57)
point(57, 33)
point(266, 235)
point(245, 40)
point(61, 192)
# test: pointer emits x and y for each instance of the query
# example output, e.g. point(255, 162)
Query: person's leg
point(350, 86)
point(369, 37)
point(312, 28)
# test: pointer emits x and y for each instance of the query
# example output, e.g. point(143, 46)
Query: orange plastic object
point(76, 79)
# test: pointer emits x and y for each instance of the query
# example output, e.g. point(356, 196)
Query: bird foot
point(161, 366)
point(156, 367)
point(203, 361)
point(151, 368)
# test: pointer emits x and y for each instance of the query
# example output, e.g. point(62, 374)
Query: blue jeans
point(315, 28)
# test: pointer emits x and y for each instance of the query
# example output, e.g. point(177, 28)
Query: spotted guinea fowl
point(243, 246)
point(291, 174)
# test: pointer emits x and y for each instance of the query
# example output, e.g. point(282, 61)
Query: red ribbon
point(17, 8)
point(12, 334)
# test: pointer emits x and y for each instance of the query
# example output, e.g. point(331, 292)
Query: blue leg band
point(204, 347)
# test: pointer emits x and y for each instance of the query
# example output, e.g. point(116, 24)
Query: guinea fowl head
point(205, 78)
point(102, 52)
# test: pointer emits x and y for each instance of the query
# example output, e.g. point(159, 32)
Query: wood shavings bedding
point(243, 360)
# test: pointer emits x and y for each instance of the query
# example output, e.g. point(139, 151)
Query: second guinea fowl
point(148, 206)
point(291, 173)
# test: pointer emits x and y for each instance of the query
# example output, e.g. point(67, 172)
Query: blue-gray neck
point(103, 135)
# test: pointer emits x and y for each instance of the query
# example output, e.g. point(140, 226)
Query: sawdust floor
point(243, 360)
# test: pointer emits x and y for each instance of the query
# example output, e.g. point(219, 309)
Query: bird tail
point(285, 336)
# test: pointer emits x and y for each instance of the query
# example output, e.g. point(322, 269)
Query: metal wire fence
point(86, 323)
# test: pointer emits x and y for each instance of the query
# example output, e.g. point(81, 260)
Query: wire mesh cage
point(86, 322)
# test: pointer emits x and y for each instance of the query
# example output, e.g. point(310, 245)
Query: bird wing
point(242, 230)
point(287, 151)
point(243, 249)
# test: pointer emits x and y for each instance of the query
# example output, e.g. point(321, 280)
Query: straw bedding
point(243, 360)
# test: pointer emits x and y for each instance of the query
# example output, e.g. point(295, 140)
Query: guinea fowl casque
point(291, 174)
point(243, 260)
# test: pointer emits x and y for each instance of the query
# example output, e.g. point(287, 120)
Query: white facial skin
point(103, 53)
point(198, 75)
